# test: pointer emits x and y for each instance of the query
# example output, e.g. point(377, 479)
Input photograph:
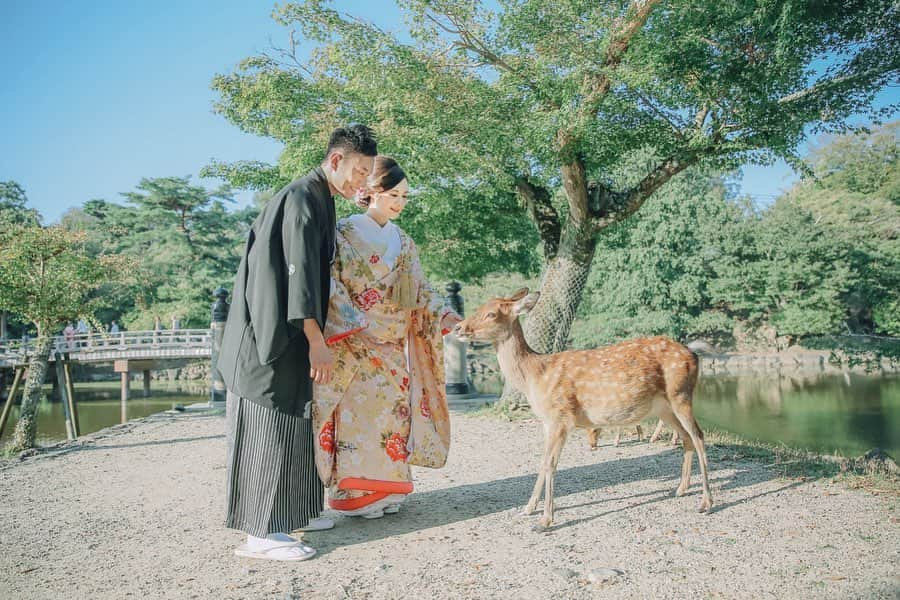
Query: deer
point(612, 386)
point(594, 434)
point(658, 433)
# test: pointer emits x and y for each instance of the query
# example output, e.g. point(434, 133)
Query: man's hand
point(321, 365)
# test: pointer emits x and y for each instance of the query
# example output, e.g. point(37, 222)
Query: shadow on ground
point(465, 502)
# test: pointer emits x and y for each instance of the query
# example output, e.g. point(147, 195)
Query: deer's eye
point(491, 315)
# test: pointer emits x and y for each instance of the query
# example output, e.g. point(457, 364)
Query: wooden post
point(64, 395)
point(123, 367)
point(7, 407)
point(125, 392)
point(146, 383)
point(70, 392)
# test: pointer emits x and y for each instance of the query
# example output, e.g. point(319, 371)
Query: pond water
point(824, 413)
point(99, 406)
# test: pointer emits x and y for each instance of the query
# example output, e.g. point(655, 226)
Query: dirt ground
point(136, 511)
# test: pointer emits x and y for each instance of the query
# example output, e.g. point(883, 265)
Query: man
point(273, 350)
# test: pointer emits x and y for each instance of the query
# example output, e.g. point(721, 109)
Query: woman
point(385, 408)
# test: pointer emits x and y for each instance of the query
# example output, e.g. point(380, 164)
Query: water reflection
point(844, 413)
point(827, 413)
point(849, 414)
point(100, 406)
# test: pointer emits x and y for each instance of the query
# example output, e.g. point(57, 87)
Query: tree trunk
point(26, 429)
point(548, 325)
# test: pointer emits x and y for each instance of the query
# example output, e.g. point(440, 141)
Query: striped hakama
point(273, 486)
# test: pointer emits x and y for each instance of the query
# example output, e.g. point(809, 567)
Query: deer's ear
point(524, 305)
point(519, 295)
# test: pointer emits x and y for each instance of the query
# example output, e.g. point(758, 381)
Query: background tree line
point(698, 261)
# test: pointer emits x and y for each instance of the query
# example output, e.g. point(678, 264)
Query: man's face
point(349, 171)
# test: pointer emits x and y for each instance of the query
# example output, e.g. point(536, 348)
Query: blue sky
point(98, 94)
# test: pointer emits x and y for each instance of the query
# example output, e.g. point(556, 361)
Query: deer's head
point(493, 322)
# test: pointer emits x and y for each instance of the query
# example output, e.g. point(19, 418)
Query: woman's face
point(390, 203)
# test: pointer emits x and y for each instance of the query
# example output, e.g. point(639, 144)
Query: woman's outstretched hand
point(450, 321)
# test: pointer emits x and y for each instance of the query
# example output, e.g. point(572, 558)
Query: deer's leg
point(658, 431)
point(551, 459)
point(640, 433)
point(592, 437)
point(684, 412)
point(672, 421)
point(618, 435)
point(539, 483)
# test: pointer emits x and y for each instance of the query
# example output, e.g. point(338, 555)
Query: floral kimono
point(385, 408)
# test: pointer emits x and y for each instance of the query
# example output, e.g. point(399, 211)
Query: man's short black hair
point(355, 138)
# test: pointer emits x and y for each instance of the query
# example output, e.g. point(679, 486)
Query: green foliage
point(789, 273)
point(489, 96)
point(186, 241)
point(855, 196)
point(823, 260)
point(551, 101)
point(653, 271)
point(456, 244)
point(12, 205)
point(48, 276)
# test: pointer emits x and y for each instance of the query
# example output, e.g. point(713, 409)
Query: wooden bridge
point(128, 351)
point(157, 346)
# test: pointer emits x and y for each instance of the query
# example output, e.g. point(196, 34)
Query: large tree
point(14, 211)
point(550, 99)
point(47, 276)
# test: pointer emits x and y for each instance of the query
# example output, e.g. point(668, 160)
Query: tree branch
point(824, 86)
point(624, 204)
point(618, 45)
point(537, 200)
point(471, 42)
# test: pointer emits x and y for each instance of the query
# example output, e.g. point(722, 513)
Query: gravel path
point(136, 511)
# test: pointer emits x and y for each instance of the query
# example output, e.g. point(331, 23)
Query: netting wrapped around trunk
point(547, 327)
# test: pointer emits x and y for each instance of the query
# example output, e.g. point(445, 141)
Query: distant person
point(114, 327)
point(69, 334)
point(176, 323)
point(82, 327)
point(157, 327)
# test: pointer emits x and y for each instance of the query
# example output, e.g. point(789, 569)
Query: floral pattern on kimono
point(385, 408)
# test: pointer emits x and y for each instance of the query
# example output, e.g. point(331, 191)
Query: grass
point(874, 476)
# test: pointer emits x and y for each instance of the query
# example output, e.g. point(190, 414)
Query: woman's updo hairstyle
point(386, 176)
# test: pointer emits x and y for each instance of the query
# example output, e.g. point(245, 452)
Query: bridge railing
point(86, 343)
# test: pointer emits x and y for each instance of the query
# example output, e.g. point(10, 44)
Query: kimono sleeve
point(303, 236)
point(344, 317)
point(429, 298)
